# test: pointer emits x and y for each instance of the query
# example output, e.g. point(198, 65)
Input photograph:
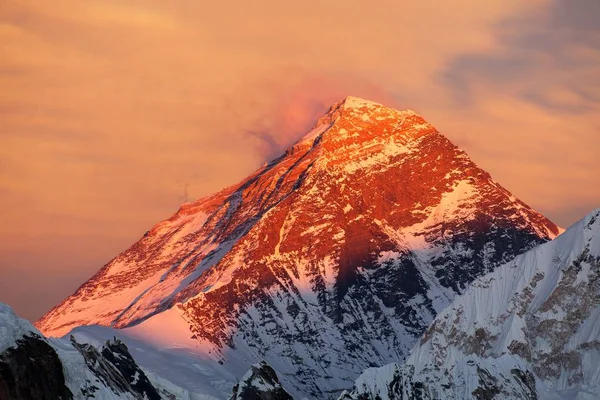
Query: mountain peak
point(357, 102)
point(372, 222)
point(351, 123)
point(511, 332)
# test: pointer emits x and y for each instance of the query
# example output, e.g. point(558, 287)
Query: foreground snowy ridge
point(33, 367)
point(330, 259)
point(528, 330)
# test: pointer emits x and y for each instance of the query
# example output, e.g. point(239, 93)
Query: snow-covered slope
point(332, 258)
point(171, 365)
point(33, 367)
point(530, 329)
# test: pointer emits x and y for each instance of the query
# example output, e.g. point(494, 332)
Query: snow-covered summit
point(13, 328)
point(357, 113)
point(332, 258)
point(352, 102)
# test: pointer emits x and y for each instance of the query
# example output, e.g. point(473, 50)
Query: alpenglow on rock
point(529, 330)
point(330, 259)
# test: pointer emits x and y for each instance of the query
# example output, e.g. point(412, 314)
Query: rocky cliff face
point(32, 367)
point(115, 368)
point(32, 370)
point(332, 258)
point(529, 330)
point(117, 354)
point(260, 383)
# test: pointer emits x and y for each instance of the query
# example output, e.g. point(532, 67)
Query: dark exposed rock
point(33, 367)
point(32, 371)
point(488, 386)
point(116, 353)
point(527, 381)
point(115, 367)
point(260, 383)
point(104, 370)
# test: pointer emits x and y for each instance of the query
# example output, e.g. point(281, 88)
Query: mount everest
point(334, 258)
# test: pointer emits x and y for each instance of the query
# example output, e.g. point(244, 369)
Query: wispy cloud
point(532, 105)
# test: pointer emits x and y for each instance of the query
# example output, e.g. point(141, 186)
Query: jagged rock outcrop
point(332, 258)
point(32, 370)
point(260, 383)
point(32, 367)
point(529, 330)
point(116, 353)
point(115, 367)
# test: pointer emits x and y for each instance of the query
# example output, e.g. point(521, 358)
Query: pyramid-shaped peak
point(370, 205)
point(354, 120)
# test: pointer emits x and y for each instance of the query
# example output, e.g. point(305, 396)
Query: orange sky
point(112, 113)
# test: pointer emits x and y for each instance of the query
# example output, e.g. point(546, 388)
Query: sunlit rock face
point(330, 259)
point(528, 330)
